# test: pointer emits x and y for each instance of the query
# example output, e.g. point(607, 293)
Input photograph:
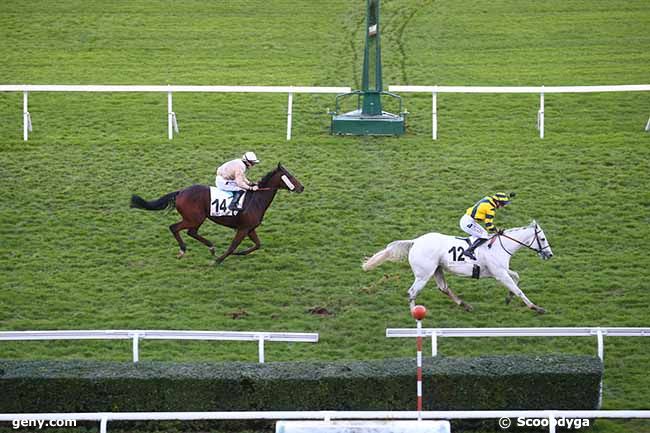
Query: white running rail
point(172, 123)
point(541, 90)
point(599, 332)
point(137, 335)
point(551, 416)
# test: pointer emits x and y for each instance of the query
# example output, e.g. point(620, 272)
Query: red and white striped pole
point(419, 312)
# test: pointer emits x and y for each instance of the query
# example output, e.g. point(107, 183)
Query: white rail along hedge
point(137, 335)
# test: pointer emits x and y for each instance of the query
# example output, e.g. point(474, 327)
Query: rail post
point(289, 115)
point(172, 124)
point(434, 343)
point(103, 424)
point(540, 114)
point(27, 120)
point(419, 369)
point(136, 349)
point(601, 344)
point(434, 114)
point(260, 349)
point(551, 423)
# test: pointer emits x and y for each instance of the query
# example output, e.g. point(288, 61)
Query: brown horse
point(193, 203)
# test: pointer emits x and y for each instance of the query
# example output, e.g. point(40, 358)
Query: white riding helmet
point(250, 157)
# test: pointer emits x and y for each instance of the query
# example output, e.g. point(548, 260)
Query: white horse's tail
point(393, 252)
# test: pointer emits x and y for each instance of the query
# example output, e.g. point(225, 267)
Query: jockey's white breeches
point(473, 228)
point(227, 185)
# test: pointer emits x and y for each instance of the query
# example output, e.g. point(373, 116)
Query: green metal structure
point(369, 118)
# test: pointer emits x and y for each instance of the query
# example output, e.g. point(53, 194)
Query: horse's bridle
point(286, 181)
point(538, 250)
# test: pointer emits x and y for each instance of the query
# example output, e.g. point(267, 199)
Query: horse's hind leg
point(416, 288)
point(175, 229)
point(194, 232)
point(439, 276)
point(253, 236)
point(422, 271)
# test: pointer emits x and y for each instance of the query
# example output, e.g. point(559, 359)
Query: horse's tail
point(165, 202)
point(393, 252)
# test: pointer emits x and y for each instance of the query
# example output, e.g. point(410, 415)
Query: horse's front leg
point(504, 278)
point(239, 236)
point(253, 236)
point(515, 277)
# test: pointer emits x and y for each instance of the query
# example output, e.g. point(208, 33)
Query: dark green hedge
point(489, 382)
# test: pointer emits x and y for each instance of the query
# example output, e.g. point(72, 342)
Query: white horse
point(433, 253)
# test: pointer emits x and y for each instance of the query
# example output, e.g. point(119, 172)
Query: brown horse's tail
point(165, 202)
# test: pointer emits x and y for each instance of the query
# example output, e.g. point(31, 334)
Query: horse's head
point(540, 243)
point(280, 178)
point(289, 181)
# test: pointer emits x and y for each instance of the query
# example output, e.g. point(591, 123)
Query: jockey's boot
point(469, 252)
point(235, 199)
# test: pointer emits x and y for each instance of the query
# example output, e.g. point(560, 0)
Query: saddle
point(476, 269)
point(220, 201)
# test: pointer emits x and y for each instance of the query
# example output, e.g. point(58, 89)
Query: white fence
point(137, 335)
point(172, 123)
point(541, 90)
point(599, 333)
point(549, 415)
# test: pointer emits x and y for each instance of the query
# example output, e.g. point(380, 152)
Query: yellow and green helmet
point(503, 198)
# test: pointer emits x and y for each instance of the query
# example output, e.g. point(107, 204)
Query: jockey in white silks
point(231, 176)
point(484, 212)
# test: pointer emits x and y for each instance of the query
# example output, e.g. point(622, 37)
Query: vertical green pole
point(371, 83)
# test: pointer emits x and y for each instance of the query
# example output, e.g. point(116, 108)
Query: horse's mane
point(515, 229)
point(267, 177)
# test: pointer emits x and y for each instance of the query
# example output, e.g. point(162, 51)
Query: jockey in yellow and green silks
point(483, 212)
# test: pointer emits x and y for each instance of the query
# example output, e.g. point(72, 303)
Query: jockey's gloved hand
point(500, 231)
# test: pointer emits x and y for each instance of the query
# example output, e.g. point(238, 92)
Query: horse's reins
point(538, 250)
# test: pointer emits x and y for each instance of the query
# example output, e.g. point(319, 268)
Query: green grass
point(74, 256)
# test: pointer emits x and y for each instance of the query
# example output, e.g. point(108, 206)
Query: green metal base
point(355, 123)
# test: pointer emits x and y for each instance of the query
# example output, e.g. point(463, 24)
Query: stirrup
point(235, 201)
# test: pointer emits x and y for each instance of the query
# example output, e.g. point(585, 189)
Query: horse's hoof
point(508, 299)
point(467, 307)
point(539, 310)
point(211, 250)
point(180, 254)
